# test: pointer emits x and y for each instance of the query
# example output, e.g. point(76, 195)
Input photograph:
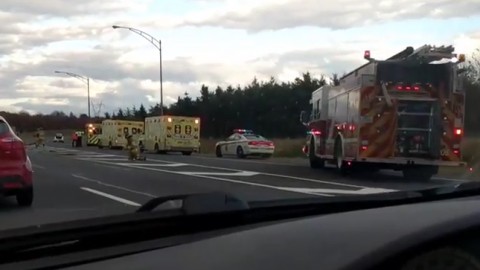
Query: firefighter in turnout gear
point(133, 151)
point(40, 138)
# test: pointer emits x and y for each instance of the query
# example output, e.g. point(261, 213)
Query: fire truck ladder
point(425, 53)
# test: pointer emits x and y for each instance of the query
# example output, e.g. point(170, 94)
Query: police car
point(243, 143)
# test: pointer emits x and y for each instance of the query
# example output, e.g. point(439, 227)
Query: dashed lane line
point(110, 196)
point(112, 186)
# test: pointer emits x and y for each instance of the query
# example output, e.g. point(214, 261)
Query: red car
point(15, 166)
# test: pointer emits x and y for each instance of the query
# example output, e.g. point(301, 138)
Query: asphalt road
point(77, 183)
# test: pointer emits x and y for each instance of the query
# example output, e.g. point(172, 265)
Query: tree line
point(270, 108)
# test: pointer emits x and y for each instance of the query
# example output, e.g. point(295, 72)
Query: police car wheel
point(218, 151)
point(240, 153)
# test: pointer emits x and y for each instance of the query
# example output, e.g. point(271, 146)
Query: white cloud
point(66, 8)
point(273, 15)
point(124, 69)
point(467, 43)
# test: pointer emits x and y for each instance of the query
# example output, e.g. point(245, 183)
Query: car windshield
point(112, 103)
point(3, 127)
point(253, 137)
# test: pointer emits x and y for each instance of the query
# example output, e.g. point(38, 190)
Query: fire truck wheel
point(218, 151)
point(315, 162)
point(339, 162)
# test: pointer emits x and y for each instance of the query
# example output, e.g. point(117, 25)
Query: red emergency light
point(242, 131)
point(407, 88)
point(366, 55)
point(458, 131)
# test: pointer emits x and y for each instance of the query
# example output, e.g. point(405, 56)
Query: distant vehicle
point(58, 138)
point(243, 143)
point(94, 132)
point(114, 133)
point(16, 173)
point(172, 134)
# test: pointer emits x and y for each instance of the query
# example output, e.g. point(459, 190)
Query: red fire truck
point(404, 113)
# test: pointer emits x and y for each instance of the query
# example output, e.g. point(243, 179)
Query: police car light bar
point(242, 131)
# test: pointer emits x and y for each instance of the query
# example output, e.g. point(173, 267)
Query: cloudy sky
point(209, 42)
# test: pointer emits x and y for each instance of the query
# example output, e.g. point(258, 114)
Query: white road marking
point(96, 155)
point(61, 149)
point(259, 161)
point(228, 180)
point(111, 166)
point(175, 164)
point(242, 173)
point(144, 166)
point(112, 186)
point(105, 159)
point(363, 191)
point(299, 178)
point(269, 174)
point(153, 165)
point(38, 166)
point(112, 197)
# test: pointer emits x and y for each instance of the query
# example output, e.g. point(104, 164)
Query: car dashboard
point(393, 237)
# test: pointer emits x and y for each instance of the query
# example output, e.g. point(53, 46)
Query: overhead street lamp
point(83, 79)
point(158, 44)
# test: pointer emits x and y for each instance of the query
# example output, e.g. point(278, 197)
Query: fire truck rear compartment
point(418, 129)
point(417, 139)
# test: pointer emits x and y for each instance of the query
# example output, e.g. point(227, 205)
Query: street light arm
point(80, 77)
point(158, 44)
point(146, 36)
point(84, 79)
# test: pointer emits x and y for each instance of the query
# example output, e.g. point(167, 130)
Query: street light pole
point(88, 96)
point(83, 79)
point(158, 44)
point(161, 77)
